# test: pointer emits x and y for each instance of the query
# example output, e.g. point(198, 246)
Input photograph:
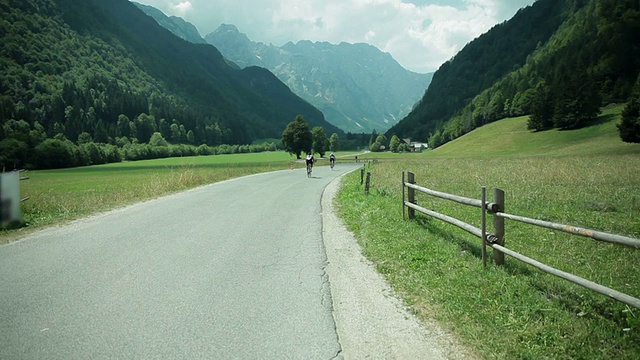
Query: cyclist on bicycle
point(309, 160)
point(332, 160)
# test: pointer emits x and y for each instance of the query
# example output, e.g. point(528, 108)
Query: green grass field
point(585, 177)
point(66, 194)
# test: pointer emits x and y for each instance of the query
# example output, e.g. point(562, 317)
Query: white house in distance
point(416, 146)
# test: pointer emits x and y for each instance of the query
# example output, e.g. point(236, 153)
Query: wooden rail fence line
point(496, 238)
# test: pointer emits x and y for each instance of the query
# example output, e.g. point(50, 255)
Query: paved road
point(233, 270)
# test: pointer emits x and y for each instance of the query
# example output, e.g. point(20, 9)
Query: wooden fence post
point(498, 226)
point(404, 217)
point(368, 183)
point(362, 175)
point(411, 193)
point(484, 226)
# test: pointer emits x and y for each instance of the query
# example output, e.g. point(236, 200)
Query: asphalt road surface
point(233, 270)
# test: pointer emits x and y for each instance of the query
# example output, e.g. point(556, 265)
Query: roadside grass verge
point(58, 196)
point(515, 311)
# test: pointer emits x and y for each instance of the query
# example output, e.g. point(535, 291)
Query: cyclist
point(309, 160)
point(332, 160)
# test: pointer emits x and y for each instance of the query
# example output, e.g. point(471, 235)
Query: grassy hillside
point(587, 178)
point(510, 137)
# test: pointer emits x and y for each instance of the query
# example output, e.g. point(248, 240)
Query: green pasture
point(65, 194)
point(585, 178)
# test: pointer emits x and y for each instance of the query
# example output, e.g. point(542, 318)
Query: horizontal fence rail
point(593, 234)
point(451, 220)
point(629, 300)
point(459, 199)
point(495, 240)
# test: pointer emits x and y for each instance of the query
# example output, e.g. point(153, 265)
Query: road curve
point(232, 270)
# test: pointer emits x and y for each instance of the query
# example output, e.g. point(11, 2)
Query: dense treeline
point(26, 148)
point(592, 59)
point(106, 72)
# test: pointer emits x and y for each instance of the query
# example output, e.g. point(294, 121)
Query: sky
point(420, 34)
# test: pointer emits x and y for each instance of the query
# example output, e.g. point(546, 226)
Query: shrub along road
point(236, 269)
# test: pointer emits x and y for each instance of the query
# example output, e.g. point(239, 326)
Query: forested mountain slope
point(106, 69)
point(570, 46)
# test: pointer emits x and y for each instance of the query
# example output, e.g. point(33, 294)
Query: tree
point(175, 133)
point(157, 140)
point(320, 142)
point(380, 144)
point(191, 138)
point(95, 154)
point(84, 138)
point(394, 143)
point(145, 126)
point(54, 154)
point(374, 136)
point(577, 102)
point(297, 137)
point(13, 154)
point(334, 143)
point(629, 127)
point(122, 126)
point(382, 140)
point(541, 117)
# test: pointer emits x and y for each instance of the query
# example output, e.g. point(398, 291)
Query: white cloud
point(182, 8)
point(420, 34)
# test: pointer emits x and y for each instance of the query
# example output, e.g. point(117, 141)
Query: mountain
point(175, 24)
point(575, 51)
point(106, 69)
point(358, 87)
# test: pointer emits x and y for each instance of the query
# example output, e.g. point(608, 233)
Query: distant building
point(416, 146)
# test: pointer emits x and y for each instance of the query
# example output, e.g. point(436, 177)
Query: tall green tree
point(382, 140)
point(394, 143)
point(380, 144)
point(334, 142)
point(577, 101)
point(541, 117)
point(297, 137)
point(320, 143)
point(629, 127)
point(374, 136)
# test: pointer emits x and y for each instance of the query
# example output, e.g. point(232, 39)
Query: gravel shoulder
point(372, 323)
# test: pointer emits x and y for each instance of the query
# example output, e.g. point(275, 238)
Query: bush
point(55, 153)
point(13, 154)
point(629, 127)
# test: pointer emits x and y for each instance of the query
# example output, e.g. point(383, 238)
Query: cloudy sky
point(419, 34)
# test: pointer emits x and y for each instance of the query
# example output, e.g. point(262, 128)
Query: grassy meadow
point(61, 195)
point(586, 178)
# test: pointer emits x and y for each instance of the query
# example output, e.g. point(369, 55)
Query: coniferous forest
point(99, 81)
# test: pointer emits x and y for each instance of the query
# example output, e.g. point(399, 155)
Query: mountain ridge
point(350, 99)
point(358, 87)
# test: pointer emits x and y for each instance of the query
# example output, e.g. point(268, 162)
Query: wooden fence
point(495, 239)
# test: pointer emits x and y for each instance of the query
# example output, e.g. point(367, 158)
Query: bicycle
point(309, 168)
point(332, 163)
